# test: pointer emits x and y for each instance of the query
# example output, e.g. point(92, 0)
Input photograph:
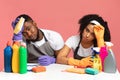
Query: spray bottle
point(110, 61)
point(7, 58)
point(23, 58)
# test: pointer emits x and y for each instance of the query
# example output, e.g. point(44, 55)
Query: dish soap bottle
point(7, 58)
point(15, 57)
point(23, 58)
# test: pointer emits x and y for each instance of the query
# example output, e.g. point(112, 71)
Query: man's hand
point(17, 28)
point(15, 22)
point(46, 60)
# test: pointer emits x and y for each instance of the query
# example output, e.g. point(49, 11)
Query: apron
point(76, 56)
point(35, 52)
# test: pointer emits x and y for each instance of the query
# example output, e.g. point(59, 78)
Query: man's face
point(30, 31)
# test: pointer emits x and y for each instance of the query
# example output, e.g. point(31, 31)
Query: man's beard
point(37, 38)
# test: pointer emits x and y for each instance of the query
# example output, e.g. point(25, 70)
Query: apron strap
point(44, 36)
point(76, 56)
point(47, 41)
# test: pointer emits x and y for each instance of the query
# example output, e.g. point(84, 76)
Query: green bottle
point(23, 58)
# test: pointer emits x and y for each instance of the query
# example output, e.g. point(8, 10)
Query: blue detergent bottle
point(7, 58)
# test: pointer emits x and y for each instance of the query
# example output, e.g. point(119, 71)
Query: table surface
point(55, 72)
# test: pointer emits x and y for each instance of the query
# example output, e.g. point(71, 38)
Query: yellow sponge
point(19, 25)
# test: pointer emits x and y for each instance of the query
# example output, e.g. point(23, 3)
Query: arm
point(62, 56)
point(99, 34)
point(62, 59)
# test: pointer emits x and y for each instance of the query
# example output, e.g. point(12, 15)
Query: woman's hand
point(99, 31)
point(99, 34)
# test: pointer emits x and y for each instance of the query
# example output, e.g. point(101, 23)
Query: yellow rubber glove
point(99, 34)
point(85, 62)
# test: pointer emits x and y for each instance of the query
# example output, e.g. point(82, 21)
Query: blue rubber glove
point(18, 36)
point(46, 60)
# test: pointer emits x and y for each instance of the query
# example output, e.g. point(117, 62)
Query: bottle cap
point(8, 43)
point(23, 44)
point(17, 43)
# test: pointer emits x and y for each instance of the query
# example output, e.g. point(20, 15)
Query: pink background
point(59, 15)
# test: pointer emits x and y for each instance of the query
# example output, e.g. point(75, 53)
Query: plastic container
point(15, 57)
point(7, 58)
point(23, 58)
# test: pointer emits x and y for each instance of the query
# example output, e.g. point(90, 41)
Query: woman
point(93, 32)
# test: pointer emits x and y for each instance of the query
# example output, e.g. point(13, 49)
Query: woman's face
point(30, 31)
point(88, 34)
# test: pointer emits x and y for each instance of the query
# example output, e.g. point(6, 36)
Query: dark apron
point(76, 56)
point(35, 52)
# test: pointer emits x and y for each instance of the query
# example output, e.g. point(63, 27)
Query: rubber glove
point(15, 22)
point(46, 60)
point(18, 36)
point(99, 34)
point(85, 62)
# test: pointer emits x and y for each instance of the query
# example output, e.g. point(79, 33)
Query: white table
point(54, 72)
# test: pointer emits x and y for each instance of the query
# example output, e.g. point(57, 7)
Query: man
point(42, 45)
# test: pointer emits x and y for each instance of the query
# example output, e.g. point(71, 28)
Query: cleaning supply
point(103, 54)
point(91, 71)
point(39, 69)
point(110, 61)
point(22, 58)
point(99, 34)
point(17, 29)
point(46, 60)
point(83, 63)
point(19, 25)
point(97, 64)
point(15, 57)
point(7, 58)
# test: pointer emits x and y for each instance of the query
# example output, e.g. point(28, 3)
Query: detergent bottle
point(7, 58)
point(23, 58)
point(15, 57)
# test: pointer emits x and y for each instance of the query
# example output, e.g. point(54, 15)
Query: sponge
point(19, 25)
point(91, 71)
point(39, 69)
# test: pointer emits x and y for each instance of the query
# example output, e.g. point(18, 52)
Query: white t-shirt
point(73, 41)
point(54, 38)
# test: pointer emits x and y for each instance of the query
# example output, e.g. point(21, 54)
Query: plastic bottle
point(23, 58)
point(15, 57)
point(7, 58)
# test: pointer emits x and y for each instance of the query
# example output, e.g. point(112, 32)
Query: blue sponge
point(91, 71)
